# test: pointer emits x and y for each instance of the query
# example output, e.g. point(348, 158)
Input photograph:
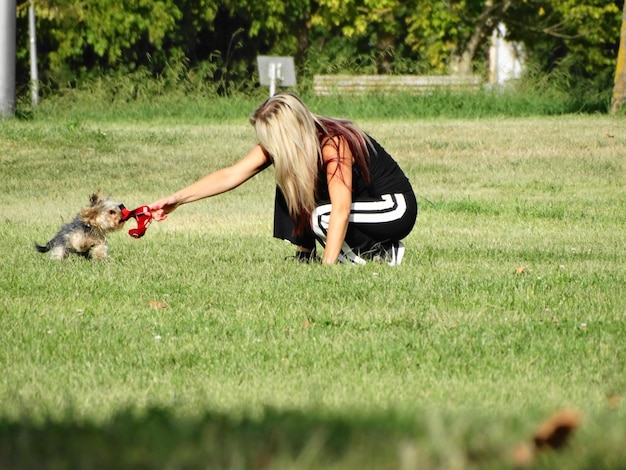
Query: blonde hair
point(287, 131)
point(291, 135)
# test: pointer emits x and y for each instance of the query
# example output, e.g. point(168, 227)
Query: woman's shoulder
point(333, 140)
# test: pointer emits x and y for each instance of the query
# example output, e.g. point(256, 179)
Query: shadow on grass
point(159, 439)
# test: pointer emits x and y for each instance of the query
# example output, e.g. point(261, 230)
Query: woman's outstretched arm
point(215, 183)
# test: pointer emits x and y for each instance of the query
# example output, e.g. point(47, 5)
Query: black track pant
point(373, 222)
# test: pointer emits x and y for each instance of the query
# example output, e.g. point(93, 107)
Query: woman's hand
point(162, 207)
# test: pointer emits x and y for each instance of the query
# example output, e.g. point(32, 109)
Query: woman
point(335, 185)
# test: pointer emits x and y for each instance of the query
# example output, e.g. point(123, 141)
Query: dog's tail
point(43, 249)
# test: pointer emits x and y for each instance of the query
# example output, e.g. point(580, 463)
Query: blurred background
point(210, 46)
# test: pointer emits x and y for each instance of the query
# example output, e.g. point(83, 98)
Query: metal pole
point(8, 30)
point(34, 74)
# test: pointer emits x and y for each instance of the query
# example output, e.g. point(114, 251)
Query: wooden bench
point(337, 84)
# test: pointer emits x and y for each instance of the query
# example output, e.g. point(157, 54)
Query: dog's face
point(102, 213)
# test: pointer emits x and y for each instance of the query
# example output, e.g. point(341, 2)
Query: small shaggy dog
point(86, 234)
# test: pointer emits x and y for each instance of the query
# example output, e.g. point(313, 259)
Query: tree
point(619, 88)
point(104, 34)
point(374, 27)
point(436, 31)
point(490, 16)
point(276, 26)
point(557, 31)
point(220, 38)
point(443, 37)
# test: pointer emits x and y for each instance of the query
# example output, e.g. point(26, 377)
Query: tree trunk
point(464, 67)
point(302, 40)
point(488, 19)
point(384, 52)
point(619, 88)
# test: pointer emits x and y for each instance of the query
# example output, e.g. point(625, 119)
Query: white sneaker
point(396, 254)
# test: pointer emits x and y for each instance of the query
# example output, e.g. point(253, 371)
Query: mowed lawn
point(510, 304)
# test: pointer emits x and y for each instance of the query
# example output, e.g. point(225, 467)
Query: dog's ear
point(95, 198)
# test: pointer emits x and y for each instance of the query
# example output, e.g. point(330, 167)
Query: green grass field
point(510, 305)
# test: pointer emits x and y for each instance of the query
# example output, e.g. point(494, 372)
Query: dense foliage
point(216, 41)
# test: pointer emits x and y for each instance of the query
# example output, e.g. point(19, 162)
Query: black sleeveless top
point(386, 177)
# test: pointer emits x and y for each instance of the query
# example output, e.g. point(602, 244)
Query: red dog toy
point(143, 216)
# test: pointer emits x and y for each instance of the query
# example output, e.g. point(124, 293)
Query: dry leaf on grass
point(553, 433)
point(556, 430)
point(156, 304)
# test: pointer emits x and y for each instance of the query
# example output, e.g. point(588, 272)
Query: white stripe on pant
point(389, 208)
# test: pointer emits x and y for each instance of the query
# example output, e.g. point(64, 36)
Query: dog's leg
point(99, 251)
point(59, 252)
